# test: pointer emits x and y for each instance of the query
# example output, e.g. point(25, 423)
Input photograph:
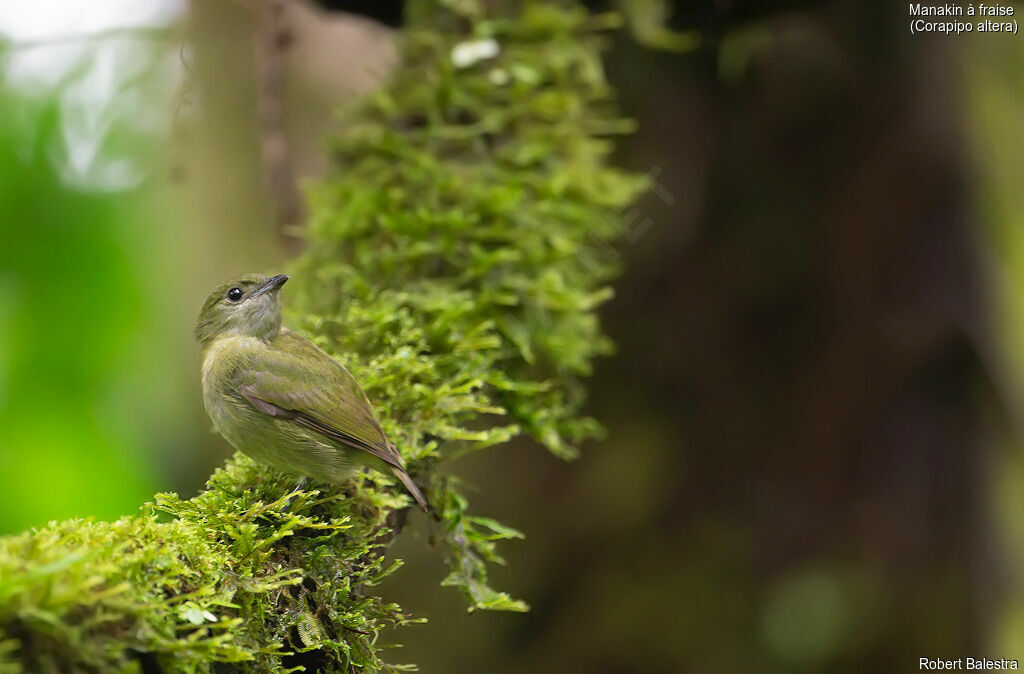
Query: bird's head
point(247, 306)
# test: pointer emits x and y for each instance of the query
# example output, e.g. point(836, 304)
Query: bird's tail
point(413, 489)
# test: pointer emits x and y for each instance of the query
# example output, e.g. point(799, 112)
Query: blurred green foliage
point(71, 306)
point(648, 21)
point(994, 95)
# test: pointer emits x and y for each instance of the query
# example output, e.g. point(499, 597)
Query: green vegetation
point(454, 262)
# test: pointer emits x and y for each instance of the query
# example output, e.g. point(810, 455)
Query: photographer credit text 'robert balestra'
point(936, 664)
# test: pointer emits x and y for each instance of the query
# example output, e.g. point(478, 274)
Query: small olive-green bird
point(277, 397)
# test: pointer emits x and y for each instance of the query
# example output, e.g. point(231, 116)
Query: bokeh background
point(814, 456)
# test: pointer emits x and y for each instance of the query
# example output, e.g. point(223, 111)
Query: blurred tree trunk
point(830, 324)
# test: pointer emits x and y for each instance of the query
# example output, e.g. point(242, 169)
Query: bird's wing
point(296, 381)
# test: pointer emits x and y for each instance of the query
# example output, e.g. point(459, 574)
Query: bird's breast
point(222, 360)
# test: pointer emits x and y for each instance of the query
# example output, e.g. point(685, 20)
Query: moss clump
point(247, 571)
point(454, 263)
point(456, 259)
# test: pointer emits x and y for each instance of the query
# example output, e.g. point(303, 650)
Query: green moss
point(247, 571)
point(455, 259)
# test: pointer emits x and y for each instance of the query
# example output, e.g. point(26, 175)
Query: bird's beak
point(269, 285)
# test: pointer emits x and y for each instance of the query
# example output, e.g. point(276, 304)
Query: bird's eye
point(234, 294)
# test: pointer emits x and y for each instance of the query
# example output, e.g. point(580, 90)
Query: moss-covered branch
point(453, 263)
